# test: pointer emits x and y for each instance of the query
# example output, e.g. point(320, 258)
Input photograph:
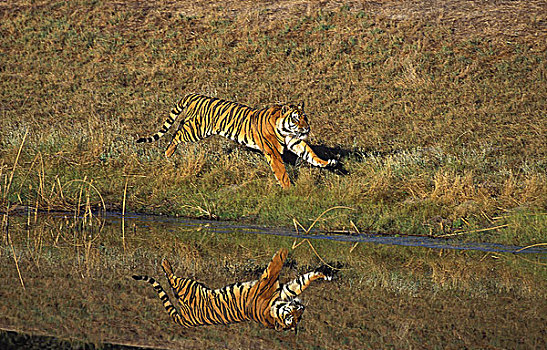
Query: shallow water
point(223, 228)
point(13, 340)
point(76, 273)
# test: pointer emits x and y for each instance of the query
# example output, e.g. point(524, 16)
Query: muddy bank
point(10, 340)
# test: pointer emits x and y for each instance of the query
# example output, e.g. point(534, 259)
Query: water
point(10, 340)
point(75, 267)
point(226, 228)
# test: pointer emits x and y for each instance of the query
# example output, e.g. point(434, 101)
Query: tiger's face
point(288, 313)
point(294, 122)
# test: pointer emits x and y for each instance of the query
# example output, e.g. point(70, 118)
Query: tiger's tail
point(173, 115)
point(171, 310)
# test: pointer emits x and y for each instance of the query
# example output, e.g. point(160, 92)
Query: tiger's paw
point(166, 265)
point(331, 163)
point(327, 271)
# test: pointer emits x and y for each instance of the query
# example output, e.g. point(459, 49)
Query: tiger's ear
point(301, 105)
point(285, 109)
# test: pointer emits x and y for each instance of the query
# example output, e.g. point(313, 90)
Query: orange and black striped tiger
point(264, 300)
point(269, 130)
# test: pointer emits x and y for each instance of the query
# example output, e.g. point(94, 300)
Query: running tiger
point(269, 130)
point(264, 300)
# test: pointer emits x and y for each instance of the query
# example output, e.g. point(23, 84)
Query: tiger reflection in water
point(265, 300)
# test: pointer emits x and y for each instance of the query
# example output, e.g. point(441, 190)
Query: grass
point(78, 287)
point(439, 120)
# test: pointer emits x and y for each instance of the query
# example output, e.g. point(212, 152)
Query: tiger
point(269, 130)
point(264, 300)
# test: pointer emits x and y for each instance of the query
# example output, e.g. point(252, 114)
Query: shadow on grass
point(325, 152)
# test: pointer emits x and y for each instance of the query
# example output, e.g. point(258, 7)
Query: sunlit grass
point(441, 128)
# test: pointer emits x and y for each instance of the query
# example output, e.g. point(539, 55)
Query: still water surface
point(93, 246)
point(226, 228)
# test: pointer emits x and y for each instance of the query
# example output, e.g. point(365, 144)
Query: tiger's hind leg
point(182, 287)
point(171, 149)
point(189, 131)
point(175, 141)
point(166, 266)
point(171, 310)
point(175, 282)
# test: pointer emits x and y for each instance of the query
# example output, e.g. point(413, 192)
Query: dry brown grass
point(436, 109)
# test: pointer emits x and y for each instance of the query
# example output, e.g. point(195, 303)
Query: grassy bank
point(437, 114)
point(77, 287)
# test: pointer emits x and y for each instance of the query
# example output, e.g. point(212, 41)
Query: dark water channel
point(10, 340)
point(397, 240)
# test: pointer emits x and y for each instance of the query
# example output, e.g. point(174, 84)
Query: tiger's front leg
point(303, 150)
point(295, 287)
point(273, 157)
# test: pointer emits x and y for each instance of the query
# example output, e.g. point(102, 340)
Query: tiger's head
point(287, 314)
point(293, 121)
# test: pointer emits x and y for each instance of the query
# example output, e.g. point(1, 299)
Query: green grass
point(439, 121)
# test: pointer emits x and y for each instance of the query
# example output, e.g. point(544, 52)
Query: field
point(436, 111)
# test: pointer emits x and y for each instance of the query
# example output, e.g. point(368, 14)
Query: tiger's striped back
point(206, 116)
point(200, 305)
